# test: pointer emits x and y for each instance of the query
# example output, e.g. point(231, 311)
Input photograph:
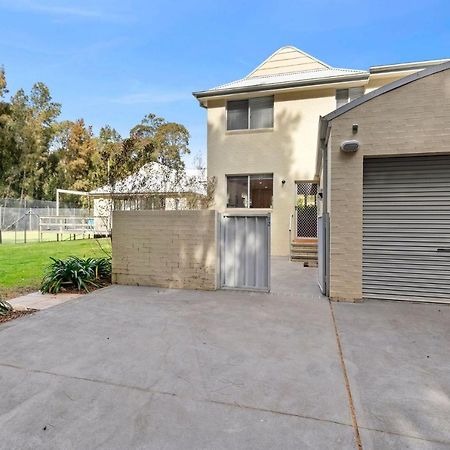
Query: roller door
point(406, 228)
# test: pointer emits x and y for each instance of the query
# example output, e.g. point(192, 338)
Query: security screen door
point(306, 210)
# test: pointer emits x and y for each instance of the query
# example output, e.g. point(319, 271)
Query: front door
point(306, 206)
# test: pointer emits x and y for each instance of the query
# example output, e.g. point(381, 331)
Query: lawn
point(22, 265)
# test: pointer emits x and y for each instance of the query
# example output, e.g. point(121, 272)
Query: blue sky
point(112, 62)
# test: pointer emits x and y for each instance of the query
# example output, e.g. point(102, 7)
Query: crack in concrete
point(409, 436)
point(172, 394)
point(218, 402)
point(346, 381)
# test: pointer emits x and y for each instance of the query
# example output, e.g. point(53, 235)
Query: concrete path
point(138, 367)
point(36, 300)
point(398, 359)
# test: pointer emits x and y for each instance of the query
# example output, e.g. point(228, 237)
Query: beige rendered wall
point(411, 120)
point(173, 249)
point(288, 151)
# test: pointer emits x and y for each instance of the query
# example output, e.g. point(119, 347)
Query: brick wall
point(411, 120)
point(173, 249)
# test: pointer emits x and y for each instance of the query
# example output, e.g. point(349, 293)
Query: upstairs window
point(250, 191)
point(250, 114)
point(343, 96)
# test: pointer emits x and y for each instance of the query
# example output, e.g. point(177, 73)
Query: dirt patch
point(68, 290)
point(9, 293)
point(16, 314)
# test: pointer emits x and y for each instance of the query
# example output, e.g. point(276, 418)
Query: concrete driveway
point(137, 367)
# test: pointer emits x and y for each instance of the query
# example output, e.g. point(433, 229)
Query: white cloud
point(65, 10)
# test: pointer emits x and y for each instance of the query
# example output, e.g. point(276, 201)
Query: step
point(310, 263)
point(303, 244)
point(304, 256)
point(304, 250)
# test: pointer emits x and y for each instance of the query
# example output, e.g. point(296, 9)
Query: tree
point(6, 137)
point(30, 130)
point(38, 154)
point(108, 147)
point(76, 156)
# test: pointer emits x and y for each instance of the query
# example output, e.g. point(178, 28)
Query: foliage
point(75, 272)
point(22, 266)
point(38, 153)
point(5, 308)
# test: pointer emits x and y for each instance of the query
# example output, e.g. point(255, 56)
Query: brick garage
point(172, 249)
point(409, 118)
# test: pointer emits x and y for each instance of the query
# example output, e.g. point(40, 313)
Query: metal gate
point(306, 210)
point(406, 228)
point(245, 252)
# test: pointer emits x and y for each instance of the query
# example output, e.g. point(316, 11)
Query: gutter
point(407, 66)
point(274, 86)
point(387, 88)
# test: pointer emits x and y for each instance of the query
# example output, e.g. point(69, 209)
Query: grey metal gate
point(245, 252)
point(406, 228)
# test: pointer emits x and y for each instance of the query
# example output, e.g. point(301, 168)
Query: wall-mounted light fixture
point(355, 128)
point(351, 146)
point(283, 182)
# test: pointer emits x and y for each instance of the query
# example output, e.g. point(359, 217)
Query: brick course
point(411, 120)
point(173, 249)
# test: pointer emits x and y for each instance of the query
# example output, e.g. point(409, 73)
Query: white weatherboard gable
point(287, 60)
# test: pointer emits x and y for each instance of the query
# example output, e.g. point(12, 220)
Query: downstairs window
point(250, 191)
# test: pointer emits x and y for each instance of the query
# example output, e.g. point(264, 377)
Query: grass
point(22, 266)
point(11, 237)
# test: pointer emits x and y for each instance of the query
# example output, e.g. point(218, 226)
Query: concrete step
point(304, 256)
point(303, 244)
point(308, 263)
point(304, 250)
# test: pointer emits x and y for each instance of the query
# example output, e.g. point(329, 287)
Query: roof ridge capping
point(380, 91)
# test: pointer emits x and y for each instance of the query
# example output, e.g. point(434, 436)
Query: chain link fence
point(19, 219)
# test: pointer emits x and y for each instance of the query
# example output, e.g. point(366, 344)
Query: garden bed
point(15, 315)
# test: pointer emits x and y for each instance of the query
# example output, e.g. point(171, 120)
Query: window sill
point(249, 131)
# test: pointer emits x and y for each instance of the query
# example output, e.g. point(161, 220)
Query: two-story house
point(263, 135)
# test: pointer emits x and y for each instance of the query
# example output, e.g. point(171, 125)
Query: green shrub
point(5, 308)
point(76, 273)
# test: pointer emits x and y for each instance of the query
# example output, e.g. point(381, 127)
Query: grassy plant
point(5, 308)
point(76, 273)
point(22, 265)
